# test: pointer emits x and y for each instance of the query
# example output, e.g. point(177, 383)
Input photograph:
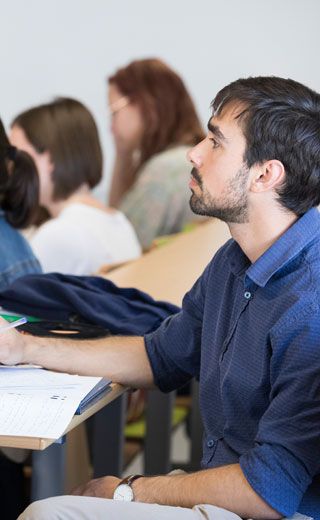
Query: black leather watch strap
point(128, 480)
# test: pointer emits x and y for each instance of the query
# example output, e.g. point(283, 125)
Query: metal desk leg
point(48, 472)
point(107, 438)
point(158, 435)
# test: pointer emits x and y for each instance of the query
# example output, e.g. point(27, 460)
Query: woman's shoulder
point(73, 215)
point(94, 215)
point(56, 232)
point(11, 237)
point(59, 245)
point(82, 238)
point(51, 226)
point(16, 255)
point(76, 221)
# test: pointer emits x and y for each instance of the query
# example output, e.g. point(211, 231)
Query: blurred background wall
point(68, 47)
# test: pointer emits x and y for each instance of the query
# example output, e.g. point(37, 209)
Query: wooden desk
point(49, 457)
point(168, 272)
point(108, 425)
point(38, 443)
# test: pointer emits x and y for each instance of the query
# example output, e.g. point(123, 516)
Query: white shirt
point(83, 238)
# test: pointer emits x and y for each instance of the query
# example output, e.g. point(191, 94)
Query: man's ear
point(267, 176)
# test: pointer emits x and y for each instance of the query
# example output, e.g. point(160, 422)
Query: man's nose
point(194, 156)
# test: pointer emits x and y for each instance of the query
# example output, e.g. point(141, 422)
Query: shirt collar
point(288, 246)
point(236, 258)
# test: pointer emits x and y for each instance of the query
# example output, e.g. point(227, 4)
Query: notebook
point(101, 388)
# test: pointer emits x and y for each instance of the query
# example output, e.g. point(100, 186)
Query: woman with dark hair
point(154, 122)
point(19, 198)
point(82, 233)
point(19, 192)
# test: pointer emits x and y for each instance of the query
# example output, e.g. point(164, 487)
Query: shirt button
point(210, 443)
point(247, 295)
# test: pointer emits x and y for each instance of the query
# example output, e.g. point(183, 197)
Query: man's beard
point(230, 207)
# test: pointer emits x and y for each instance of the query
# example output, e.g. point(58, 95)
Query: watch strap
point(128, 480)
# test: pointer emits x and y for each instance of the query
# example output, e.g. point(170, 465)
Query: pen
point(13, 324)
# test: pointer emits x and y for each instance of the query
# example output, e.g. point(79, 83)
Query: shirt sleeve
point(174, 348)
point(286, 455)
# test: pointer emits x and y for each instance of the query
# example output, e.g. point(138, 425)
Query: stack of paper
point(39, 403)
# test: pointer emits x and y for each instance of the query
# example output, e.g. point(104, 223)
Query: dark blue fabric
point(251, 333)
point(56, 296)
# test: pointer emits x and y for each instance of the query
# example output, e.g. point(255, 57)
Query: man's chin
point(196, 206)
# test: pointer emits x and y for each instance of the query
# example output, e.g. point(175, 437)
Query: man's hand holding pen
point(11, 342)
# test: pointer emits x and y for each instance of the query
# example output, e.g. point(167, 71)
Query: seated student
point(248, 329)
point(19, 194)
point(82, 234)
point(154, 122)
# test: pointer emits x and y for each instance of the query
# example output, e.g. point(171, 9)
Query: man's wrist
point(138, 488)
point(147, 489)
point(29, 348)
point(162, 489)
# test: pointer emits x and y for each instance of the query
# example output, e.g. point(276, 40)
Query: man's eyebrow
point(216, 131)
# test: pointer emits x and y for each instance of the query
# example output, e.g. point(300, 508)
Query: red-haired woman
point(154, 122)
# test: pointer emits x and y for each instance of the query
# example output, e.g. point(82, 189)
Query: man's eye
point(215, 143)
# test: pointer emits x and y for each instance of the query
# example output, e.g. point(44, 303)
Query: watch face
point(123, 492)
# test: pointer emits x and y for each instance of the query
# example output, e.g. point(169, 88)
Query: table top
point(38, 443)
point(168, 272)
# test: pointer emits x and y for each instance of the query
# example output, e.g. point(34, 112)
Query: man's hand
point(11, 345)
point(99, 487)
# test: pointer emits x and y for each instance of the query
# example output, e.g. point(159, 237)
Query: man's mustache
point(195, 174)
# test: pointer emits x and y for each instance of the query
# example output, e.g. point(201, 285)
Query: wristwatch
point(124, 490)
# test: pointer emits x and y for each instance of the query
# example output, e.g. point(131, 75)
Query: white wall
point(68, 47)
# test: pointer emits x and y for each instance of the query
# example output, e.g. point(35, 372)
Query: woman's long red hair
point(167, 109)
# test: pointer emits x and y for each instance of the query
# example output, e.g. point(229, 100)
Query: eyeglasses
point(118, 105)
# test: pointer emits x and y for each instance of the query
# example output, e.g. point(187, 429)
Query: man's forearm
point(122, 359)
point(224, 487)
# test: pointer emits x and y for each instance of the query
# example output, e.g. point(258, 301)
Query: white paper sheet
point(38, 402)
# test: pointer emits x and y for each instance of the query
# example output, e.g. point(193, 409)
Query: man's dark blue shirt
point(251, 334)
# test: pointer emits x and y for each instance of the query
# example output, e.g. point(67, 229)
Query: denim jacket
point(16, 256)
